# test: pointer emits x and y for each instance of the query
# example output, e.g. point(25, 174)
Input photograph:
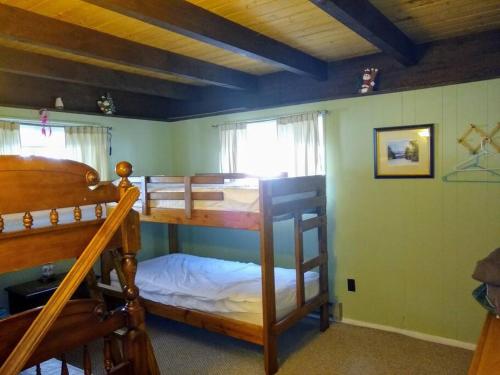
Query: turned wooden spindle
point(77, 213)
point(129, 267)
point(98, 210)
point(124, 170)
point(64, 365)
point(108, 362)
point(27, 220)
point(54, 216)
point(38, 369)
point(2, 224)
point(87, 364)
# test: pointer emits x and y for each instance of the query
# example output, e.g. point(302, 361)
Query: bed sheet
point(217, 286)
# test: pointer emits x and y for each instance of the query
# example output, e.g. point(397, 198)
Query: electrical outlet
point(351, 285)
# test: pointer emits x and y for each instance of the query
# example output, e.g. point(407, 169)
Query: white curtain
point(10, 138)
point(233, 146)
point(301, 141)
point(89, 145)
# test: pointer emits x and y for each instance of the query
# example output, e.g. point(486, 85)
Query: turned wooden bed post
point(268, 288)
point(136, 346)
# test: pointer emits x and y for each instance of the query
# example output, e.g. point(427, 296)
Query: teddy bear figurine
point(369, 76)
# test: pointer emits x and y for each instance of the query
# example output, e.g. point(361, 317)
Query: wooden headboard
point(29, 184)
point(47, 186)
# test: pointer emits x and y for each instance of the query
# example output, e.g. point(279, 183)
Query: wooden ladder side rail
point(36, 332)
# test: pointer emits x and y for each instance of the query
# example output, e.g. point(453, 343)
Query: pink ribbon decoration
point(44, 120)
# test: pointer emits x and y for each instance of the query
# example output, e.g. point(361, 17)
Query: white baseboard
point(414, 334)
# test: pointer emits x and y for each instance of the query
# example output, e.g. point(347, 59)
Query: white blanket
point(215, 285)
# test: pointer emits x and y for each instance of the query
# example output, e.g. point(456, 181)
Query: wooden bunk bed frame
point(35, 184)
point(270, 210)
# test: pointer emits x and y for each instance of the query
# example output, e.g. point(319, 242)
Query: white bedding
point(218, 286)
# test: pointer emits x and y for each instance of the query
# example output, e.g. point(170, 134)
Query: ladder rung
point(311, 223)
point(313, 263)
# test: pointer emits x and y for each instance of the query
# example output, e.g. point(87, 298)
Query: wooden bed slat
point(65, 241)
point(180, 179)
point(311, 223)
point(315, 262)
point(196, 196)
point(212, 322)
point(209, 218)
point(295, 185)
point(295, 316)
point(298, 206)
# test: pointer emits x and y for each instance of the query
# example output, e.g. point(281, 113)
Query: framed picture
point(404, 151)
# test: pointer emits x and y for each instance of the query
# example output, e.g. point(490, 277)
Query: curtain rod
point(52, 124)
point(262, 119)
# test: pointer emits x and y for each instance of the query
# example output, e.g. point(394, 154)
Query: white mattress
point(14, 222)
point(228, 288)
point(237, 196)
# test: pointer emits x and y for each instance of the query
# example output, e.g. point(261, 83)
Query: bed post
point(268, 288)
point(136, 346)
point(173, 239)
point(323, 268)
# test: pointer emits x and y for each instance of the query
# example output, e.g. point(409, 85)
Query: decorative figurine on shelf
point(369, 76)
point(106, 105)
point(58, 104)
point(44, 121)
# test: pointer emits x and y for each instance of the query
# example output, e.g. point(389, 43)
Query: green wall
point(411, 244)
point(146, 144)
point(412, 273)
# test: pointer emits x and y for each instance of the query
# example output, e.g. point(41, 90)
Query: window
point(33, 142)
point(292, 144)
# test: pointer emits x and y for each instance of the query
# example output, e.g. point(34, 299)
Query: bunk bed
point(61, 206)
point(230, 201)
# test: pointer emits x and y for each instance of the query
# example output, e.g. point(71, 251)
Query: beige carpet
point(341, 350)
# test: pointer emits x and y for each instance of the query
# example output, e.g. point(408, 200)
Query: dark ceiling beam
point(41, 66)
point(197, 23)
point(363, 18)
point(31, 92)
point(29, 28)
point(479, 57)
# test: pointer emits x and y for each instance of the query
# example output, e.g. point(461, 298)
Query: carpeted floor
point(341, 350)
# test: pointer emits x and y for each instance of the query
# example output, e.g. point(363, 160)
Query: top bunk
point(227, 200)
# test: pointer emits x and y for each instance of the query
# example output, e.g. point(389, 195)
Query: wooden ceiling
point(152, 43)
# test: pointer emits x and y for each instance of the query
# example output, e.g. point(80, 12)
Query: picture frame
point(404, 151)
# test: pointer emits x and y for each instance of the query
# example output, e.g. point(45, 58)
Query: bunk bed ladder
point(321, 261)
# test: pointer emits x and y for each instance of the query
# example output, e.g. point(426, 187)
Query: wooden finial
point(77, 213)
point(54, 216)
point(98, 210)
point(27, 220)
point(124, 170)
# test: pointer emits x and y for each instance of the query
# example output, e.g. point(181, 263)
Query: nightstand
point(36, 293)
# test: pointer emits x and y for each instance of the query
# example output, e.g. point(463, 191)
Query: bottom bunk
point(219, 295)
point(221, 287)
